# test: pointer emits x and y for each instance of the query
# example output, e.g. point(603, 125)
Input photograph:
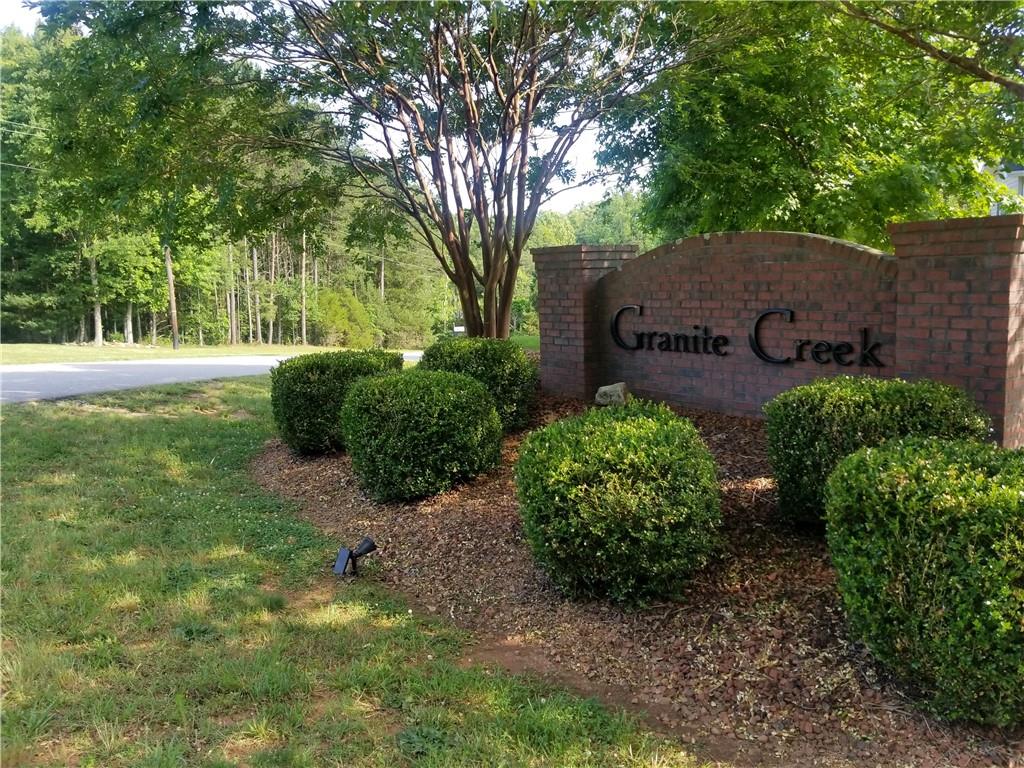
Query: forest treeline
point(335, 272)
point(376, 173)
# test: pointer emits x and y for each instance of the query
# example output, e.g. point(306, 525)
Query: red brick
point(944, 306)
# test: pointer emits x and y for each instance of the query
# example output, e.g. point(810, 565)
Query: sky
point(581, 155)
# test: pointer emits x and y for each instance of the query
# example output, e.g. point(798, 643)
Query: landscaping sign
point(727, 321)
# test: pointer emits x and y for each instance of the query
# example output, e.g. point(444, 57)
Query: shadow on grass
point(159, 610)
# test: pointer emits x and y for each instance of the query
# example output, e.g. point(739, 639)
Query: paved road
point(49, 381)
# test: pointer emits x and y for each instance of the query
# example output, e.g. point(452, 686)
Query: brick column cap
point(570, 253)
point(1006, 220)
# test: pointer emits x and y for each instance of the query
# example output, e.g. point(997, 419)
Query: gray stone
point(613, 394)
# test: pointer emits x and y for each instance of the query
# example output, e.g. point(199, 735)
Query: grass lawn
point(526, 342)
point(160, 610)
point(17, 354)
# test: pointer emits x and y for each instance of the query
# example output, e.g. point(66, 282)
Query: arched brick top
point(725, 321)
point(774, 243)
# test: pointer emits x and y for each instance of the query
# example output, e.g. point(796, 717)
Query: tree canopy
point(376, 172)
point(818, 123)
point(984, 41)
point(462, 115)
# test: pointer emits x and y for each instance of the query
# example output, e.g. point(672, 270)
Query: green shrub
point(928, 539)
point(620, 501)
point(501, 365)
point(420, 432)
point(811, 428)
point(306, 393)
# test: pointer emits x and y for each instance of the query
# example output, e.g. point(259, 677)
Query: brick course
point(948, 305)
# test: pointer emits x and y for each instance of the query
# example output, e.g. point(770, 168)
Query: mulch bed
point(752, 665)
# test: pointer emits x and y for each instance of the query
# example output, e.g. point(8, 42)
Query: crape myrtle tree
point(462, 115)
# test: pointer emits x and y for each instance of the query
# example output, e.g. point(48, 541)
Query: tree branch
point(970, 66)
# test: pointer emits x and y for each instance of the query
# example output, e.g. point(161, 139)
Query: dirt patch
point(84, 407)
point(751, 664)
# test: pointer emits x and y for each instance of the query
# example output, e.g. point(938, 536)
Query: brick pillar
point(566, 276)
point(960, 311)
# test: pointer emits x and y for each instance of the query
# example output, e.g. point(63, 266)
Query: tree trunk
point(471, 318)
point(97, 310)
point(152, 327)
point(81, 329)
point(129, 331)
point(216, 304)
point(490, 311)
point(232, 335)
point(382, 271)
point(231, 318)
point(302, 283)
point(255, 281)
point(272, 310)
point(506, 295)
point(493, 318)
point(499, 291)
point(175, 340)
point(248, 298)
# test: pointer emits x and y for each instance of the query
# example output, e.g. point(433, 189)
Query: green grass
point(531, 343)
point(17, 354)
point(160, 610)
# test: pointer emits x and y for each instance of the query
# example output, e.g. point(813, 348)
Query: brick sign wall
point(727, 321)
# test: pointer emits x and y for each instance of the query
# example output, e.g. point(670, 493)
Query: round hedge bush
point(307, 391)
point(619, 502)
point(418, 433)
point(501, 365)
point(812, 427)
point(928, 539)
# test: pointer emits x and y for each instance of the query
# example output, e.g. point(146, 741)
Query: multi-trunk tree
point(463, 115)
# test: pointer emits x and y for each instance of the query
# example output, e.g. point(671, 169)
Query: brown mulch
point(752, 665)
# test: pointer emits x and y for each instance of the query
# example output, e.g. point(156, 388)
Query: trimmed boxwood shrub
point(501, 365)
point(928, 539)
point(418, 433)
point(812, 427)
point(306, 393)
point(620, 501)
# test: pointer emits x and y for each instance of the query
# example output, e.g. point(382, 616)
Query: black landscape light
point(346, 556)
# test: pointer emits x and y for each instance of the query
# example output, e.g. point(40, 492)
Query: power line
point(26, 167)
point(23, 125)
point(430, 267)
point(20, 133)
